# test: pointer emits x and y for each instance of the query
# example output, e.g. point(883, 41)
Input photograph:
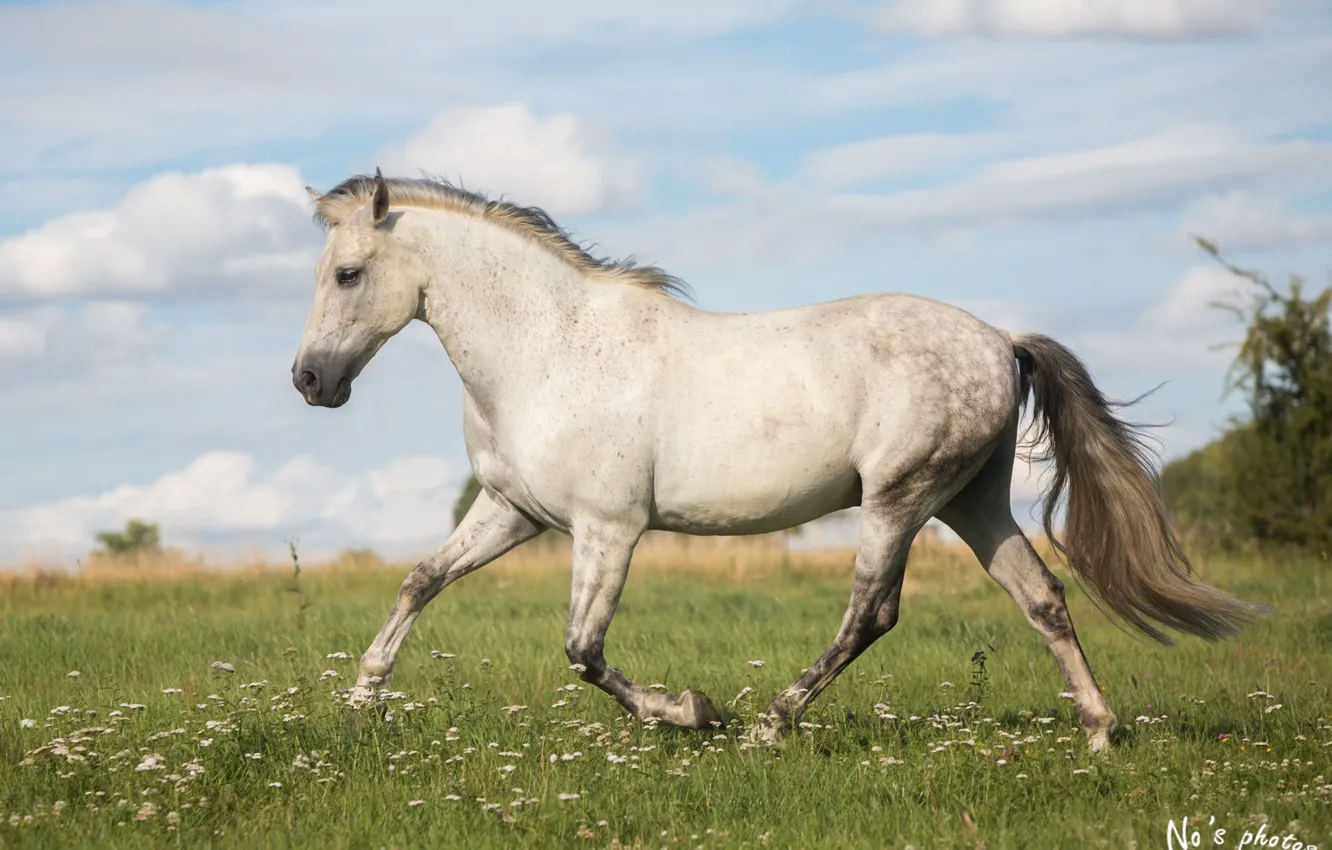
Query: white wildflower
point(151, 762)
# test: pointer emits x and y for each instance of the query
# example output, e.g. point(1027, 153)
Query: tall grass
point(950, 732)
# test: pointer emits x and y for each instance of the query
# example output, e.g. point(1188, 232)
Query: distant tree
point(137, 537)
point(471, 489)
point(1270, 477)
point(1200, 489)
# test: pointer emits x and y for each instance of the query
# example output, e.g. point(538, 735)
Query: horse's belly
point(725, 500)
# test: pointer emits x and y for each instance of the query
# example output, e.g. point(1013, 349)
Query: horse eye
point(347, 277)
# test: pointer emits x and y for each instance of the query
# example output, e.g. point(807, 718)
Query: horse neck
point(499, 302)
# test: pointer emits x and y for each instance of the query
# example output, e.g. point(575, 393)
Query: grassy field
point(492, 741)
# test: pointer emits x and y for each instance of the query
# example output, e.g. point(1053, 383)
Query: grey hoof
point(699, 710)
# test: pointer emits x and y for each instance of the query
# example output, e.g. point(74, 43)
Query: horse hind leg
point(981, 515)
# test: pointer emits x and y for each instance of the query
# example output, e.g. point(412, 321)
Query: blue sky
point(1038, 163)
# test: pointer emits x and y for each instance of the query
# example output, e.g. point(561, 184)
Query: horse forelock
point(532, 222)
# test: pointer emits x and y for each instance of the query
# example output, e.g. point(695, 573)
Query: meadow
point(177, 706)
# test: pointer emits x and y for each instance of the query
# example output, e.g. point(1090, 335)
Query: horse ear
point(314, 193)
point(380, 203)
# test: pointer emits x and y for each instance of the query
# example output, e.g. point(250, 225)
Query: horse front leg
point(601, 555)
point(490, 529)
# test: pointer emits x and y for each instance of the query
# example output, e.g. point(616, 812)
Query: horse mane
point(531, 222)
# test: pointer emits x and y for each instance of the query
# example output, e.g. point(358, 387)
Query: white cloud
point(1063, 92)
point(36, 341)
point(555, 161)
point(238, 227)
point(1179, 332)
point(1139, 174)
point(788, 222)
point(890, 156)
point(223, 496)
point(20, 339)
point(1133, 18)
point(732, 177)
point(1243, 221)
point(117, 83)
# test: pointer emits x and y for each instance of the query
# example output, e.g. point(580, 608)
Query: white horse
point(597, 404)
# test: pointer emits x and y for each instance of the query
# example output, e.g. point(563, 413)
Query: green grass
point(1010, 771)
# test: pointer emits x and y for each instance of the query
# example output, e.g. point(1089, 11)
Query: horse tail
point(1118, 538)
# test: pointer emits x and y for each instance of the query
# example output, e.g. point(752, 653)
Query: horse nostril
point(309, 383)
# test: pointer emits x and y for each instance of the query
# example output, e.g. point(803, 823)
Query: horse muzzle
point(320, 385)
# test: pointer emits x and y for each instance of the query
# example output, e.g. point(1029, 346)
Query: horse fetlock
point(1098, 722)
point(375, 665)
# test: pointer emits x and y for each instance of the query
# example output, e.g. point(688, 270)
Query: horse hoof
point(359, 720)
point(1099, 741)
point(767, 734)
point(698, 710)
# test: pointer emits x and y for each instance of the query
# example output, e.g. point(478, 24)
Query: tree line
point(1266, 482)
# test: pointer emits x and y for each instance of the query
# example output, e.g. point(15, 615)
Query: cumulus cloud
point(555, 161)
point(1122, 18)
point(225, 496)
point(238, 227)
point(1244, 221)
